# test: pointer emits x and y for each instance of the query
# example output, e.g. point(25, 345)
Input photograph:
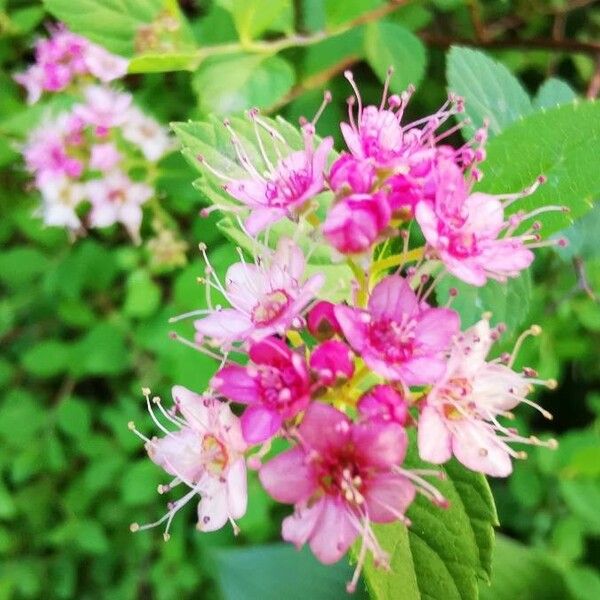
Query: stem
point(397, 259)
point(363, 283)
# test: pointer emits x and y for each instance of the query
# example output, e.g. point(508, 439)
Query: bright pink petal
point(235, 383)
point(388, 497)
point(436, 327)
point(288, 477)
point(422, 370)
point(380, 445)
point(324, 428)
point(353, 323)
point(391, 298)
point(260, 424)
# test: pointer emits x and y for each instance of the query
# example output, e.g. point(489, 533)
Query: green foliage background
point(83, 326)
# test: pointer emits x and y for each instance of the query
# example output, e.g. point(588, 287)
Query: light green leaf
point(102, 351)
point(583, 236)
point(391, 45)
point(490, 90)
point(74, 417)
point(521, 572)
point(160, 63)
point(338, 13)
point(48, 358)
point(563, 144)
point(254, 17)
point(142, 295)
point(554, 92)
point(234, 83)
point(445, 551)
point(508, 302)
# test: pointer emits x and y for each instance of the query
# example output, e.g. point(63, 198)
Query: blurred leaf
point(21, 418)
point(583, 236)
point(332, 51)
point(521, 572)
point(20, 265)
point(338, 13)
point(276, 571)
point(142, 296)
point(254, 17)
point(490, 90)
point(234, 83)
point(164, 62)
point(102, 351)
point(445, 551)
point(27, 19)
point(74, 417)
point(583, 499)
point(47, 359)
point(561, 143)
point(139, 483)
point(508, 302)
point(554, 92)
point(583, 582)
point(391, 45)
point(568, 538)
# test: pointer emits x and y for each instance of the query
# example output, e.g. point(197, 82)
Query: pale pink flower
point(104, 108)
point(398, 336)
point(146, 133)
point(60, 198)
point(32, 79)
point(341, 477)
point(277, 188)
point(460, 415)
point(332, 362)
point(205, 452)
point(104, 65)
point(356, 222)
point(266, 298)
point(384, 403)
point(117, 199)
point(104, 157)
point(275, 386)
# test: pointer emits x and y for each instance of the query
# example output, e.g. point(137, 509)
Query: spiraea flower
point(398, 336)
point(384, 403)
point(266, 297)
point(203, 449)
point(280, 187)
point(463, 411)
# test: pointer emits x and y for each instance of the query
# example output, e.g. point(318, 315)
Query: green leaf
point(554, 92)
point(276, 571)
point(561, 143)
point(102, 351)
point(234, 83)
point(521, 572)
point(445, 551)
point(254, 17)
point(48, 358)
point(20, 265)
point(338, 13)
point(490, 90)
point(508, 302)
point(74, 417)
point(142, 295)
point(21, 418)
point(391, 45)
point(160, 63)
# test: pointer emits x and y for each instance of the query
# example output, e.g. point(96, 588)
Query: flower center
point(456, 393)
point(392, 339)
point(117, 196)
point(215, 454)
point(341, 476)
point(279, 388)
point(463, 245)
point(287, 188)
point(270, 307)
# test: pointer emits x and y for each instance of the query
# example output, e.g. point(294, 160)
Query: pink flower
point(351, 175)
point(399, 337)
point(266, 297)
point(332, 361)
point(104, 157)
point(104, 65)
point(341, 477)
point(61, 196)
point(146, 133)
point(32, 79)
point(470, 233)
point(205, 452)
point(460, 414)
point(384, 403)
point(118, 199)
point(355, 222)
point(275, 190)
point(321, 321)
point(275, 386)
point(104, 108)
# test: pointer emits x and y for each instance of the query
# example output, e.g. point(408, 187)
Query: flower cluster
point(65, 59)
point(349, 385)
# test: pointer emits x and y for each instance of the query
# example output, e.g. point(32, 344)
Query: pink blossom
point(332, 362)
point(61, 196)
point(321, 321)
point(384, 403)
point(355, 222)
point(275, 386)
point(460, 414)
point(276, 189)
point(205, 452)
point(146, 133)
point(265, 298)
point(470, 233)
point(32, 79)
point(341, 477)
point(399, 337)
point(351, 175)
point(118, 199)
point(104, 157)
point(104, 65)
point(104, 108)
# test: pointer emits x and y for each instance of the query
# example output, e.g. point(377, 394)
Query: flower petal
point(288, 477)
point(259, 424)
point(434, 438)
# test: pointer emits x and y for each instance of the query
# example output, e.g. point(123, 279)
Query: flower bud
point(348, 172)
point(332, 361)
point(321, 321)
point(384, 403)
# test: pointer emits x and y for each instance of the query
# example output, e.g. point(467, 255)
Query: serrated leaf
point(490, 90)
point(254, 17)
point(554, 92)
point(391, 45)
point(563, 144)
point(233, 83)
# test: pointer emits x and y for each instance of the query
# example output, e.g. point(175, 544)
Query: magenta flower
point(321, 321)
point(266, 297)
point(332, 362)
point(460, 414)
point(341, 477)
point(273, 191)
point(356, 222)
point(384, 403)
point(351, 175)
point(399, 337)
point(275, 386)
point(205, 453)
